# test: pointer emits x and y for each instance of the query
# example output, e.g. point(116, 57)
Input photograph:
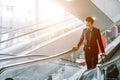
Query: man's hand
point(103, 54)
point(75, 47)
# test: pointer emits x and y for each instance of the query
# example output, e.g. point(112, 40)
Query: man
point(90, 36)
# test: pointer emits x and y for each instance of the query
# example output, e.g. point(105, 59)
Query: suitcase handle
point(102, 58)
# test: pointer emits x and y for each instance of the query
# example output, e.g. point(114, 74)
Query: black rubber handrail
point(32, 62)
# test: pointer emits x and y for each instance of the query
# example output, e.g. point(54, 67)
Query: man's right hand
point(75, 47)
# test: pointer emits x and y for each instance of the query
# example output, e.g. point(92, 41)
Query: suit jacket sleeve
point(100, 41)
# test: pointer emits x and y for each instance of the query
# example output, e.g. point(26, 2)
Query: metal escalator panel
point(89, 75)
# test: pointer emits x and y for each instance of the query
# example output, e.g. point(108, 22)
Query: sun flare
point(49, 10)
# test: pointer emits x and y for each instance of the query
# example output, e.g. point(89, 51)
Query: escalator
point(43, 66)
point(58, 67)
point(40, 68)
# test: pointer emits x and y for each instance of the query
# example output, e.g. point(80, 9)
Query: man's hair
point(90, 19)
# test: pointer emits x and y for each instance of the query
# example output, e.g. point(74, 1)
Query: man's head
point(89, 21)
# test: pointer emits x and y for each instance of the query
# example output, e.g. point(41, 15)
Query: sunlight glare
point(49, 10)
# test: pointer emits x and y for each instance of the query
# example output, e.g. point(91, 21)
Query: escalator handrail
point(32, 62)
point(21, 28)
point(86, 73)
point(31, 41)
point(31, 32)
point(109, 63)
point(21, 57)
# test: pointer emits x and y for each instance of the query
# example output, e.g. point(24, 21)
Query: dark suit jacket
point(90, 38)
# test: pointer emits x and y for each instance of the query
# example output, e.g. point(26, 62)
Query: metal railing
point(30, 32)
point(32, 62)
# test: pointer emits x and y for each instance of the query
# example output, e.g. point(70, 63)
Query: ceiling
point(84, 8)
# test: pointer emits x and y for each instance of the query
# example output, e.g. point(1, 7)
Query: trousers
point(91, 57)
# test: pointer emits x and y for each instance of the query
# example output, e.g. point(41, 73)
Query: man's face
point(88, 24)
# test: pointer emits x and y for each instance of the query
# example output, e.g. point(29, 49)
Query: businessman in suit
point(90, 36)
